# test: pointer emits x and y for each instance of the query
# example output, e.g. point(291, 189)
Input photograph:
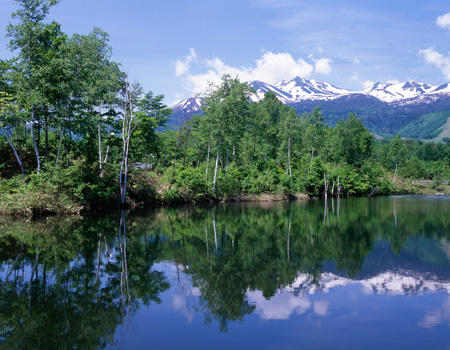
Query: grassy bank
point(78, 188)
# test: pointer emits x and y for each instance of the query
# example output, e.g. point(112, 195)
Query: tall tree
point(226, 110)
point(396, 154)
point(314, 131)
point(353, 142)
point(9, 115)
point(146, 137)
point(26, 37)
point(290, 131)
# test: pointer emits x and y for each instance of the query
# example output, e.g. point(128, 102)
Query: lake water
point(357, 273)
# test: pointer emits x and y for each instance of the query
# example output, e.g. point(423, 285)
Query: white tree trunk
point(16, 154)
point(207, 160)
point(215, 172)
point(338, 187)
point(289, 156)
point(99, 133)
point(214, 227)
point(395, 173)
point(127, 130)
point(106, 155)
point(226, 163)
point(36, 149)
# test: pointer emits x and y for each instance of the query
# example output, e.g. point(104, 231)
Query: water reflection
point(438, 316)
point(77, 282)
point(65, 284)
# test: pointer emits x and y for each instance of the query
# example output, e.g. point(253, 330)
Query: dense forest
point(77, 134)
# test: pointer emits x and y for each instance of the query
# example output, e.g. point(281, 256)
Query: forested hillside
point(76, 134)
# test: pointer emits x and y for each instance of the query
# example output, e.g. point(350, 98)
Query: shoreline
point(243, 198)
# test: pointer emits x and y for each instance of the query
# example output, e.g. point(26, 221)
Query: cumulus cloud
point(280, 306)
point(271, 68)
point(323, 66)
point(441, 315)
point(182, 66)
point(367, 84)
point(435, 58)
point(444, 21)
point(321, 307)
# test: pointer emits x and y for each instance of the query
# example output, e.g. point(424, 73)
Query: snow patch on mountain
point(261, 88)
point(188, 106)
point(300, 89)
point(390, 92)
point(295, 298)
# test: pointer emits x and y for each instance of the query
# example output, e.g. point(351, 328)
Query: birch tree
point(25, 38)
point(225, 110)
point(137, 111)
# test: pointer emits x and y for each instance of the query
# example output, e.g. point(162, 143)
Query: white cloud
point(435, 317)
point(321, 307)
point(438, 60)
point(182, 66)
point(323, 65)
point(444, 21)
point(271, 68)
point(356, 60)
point(278, 307)
point(367, 84)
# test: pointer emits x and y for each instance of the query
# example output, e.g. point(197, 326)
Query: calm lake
point(357, 273)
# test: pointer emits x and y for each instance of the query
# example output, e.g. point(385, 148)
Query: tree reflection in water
point(71, 282)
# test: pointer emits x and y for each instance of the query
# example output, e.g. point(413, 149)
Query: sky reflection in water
point(366, 273)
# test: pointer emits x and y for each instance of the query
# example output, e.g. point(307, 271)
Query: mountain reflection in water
point(356, 266)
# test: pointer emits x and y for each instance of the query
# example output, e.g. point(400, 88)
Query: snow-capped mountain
point(297, 297)
point(301, 88)
point(383, 107)
point(261, 88)
point(183, 111)
point(387, 282)
point(390, 92)
point(188, 106)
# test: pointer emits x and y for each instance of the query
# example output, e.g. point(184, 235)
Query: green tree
point(27, 37)
point(314, 132)
point(353, 142)
point(396, 154)
point(225, 111)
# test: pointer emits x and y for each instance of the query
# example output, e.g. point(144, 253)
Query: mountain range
point(412, 109)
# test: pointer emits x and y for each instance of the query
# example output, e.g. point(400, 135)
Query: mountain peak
point(300, 88)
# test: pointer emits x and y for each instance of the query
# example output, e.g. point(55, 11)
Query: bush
point(35, 198)
point(142, 187)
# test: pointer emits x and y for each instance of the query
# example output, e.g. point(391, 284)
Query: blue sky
point(175, 47)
